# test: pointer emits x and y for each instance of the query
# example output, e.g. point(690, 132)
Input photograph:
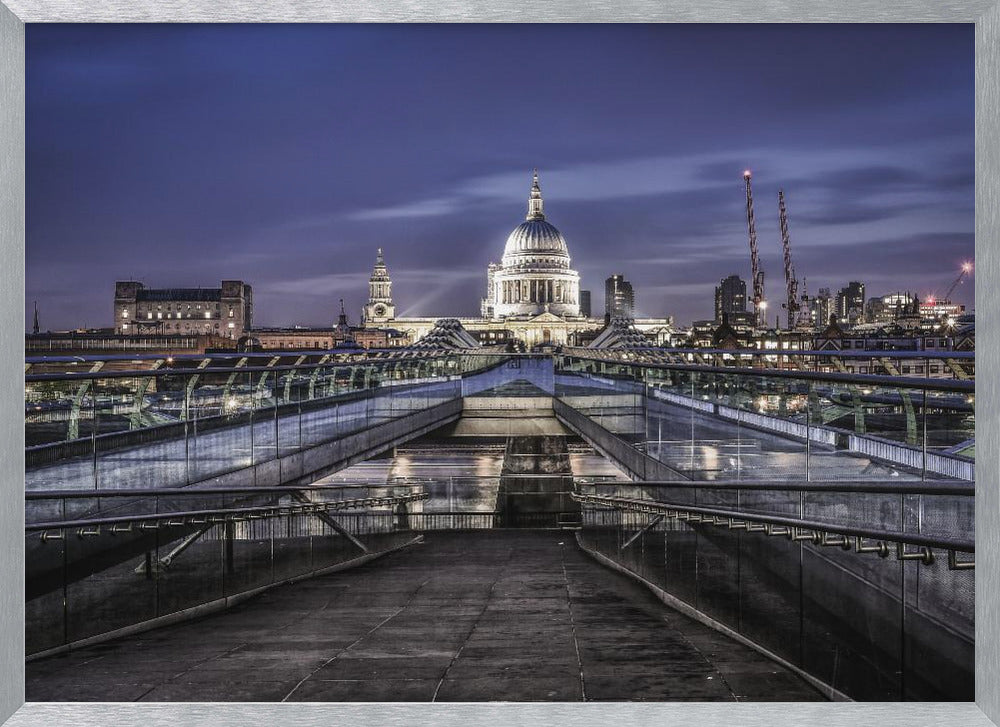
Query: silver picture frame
point(985, 14)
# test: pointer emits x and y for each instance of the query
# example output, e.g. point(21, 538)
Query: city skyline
point(180, 156)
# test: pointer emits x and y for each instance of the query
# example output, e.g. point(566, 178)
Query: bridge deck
point(494, 615)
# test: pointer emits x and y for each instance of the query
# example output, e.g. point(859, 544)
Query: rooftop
point(179, 294)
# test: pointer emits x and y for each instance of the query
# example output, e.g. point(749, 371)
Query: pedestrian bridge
point(818, 519)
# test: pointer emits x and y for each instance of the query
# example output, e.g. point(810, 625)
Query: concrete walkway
point(492, 615)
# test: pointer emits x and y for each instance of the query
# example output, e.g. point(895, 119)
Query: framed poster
point(534, 301)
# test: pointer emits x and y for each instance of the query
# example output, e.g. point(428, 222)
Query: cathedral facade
point(532, 294)
point(534, 275)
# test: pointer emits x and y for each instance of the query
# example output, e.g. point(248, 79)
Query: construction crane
point(759, 304)
point(805, 309)
point(791, 284)
point(966, 269)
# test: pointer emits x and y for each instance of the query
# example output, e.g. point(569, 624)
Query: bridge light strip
point(826, 536)
point(87, 528)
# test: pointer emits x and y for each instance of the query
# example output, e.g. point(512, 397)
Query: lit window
point(124, 312)
point(232, 325)
point(149, 315)
point(208, 314)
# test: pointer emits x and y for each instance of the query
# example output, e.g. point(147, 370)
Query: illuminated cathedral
point(532, 294)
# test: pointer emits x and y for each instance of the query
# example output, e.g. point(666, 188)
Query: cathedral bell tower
point(379, 308)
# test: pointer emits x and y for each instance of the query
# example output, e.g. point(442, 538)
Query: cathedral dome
point(533, 276)
point(536, 241)
point(536, 237)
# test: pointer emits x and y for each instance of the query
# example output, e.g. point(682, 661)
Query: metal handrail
point(399, 356)
point(171, 491)
point(161, 372)
point(368, 353)
point(894, 382)
point(81, 494)
point(93, 357)
point(961, 488)
point(227, 513)
point(751, 352)
point(818, 526)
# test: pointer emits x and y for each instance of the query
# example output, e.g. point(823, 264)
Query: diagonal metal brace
point(652, 523)
point(325, 517)
point(166, 560)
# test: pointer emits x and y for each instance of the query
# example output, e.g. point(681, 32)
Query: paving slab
point(375, 690)
point(500, 615)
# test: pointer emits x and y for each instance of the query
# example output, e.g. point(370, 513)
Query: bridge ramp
point(497, 615)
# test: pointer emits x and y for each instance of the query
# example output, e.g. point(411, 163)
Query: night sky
point(180, 155)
